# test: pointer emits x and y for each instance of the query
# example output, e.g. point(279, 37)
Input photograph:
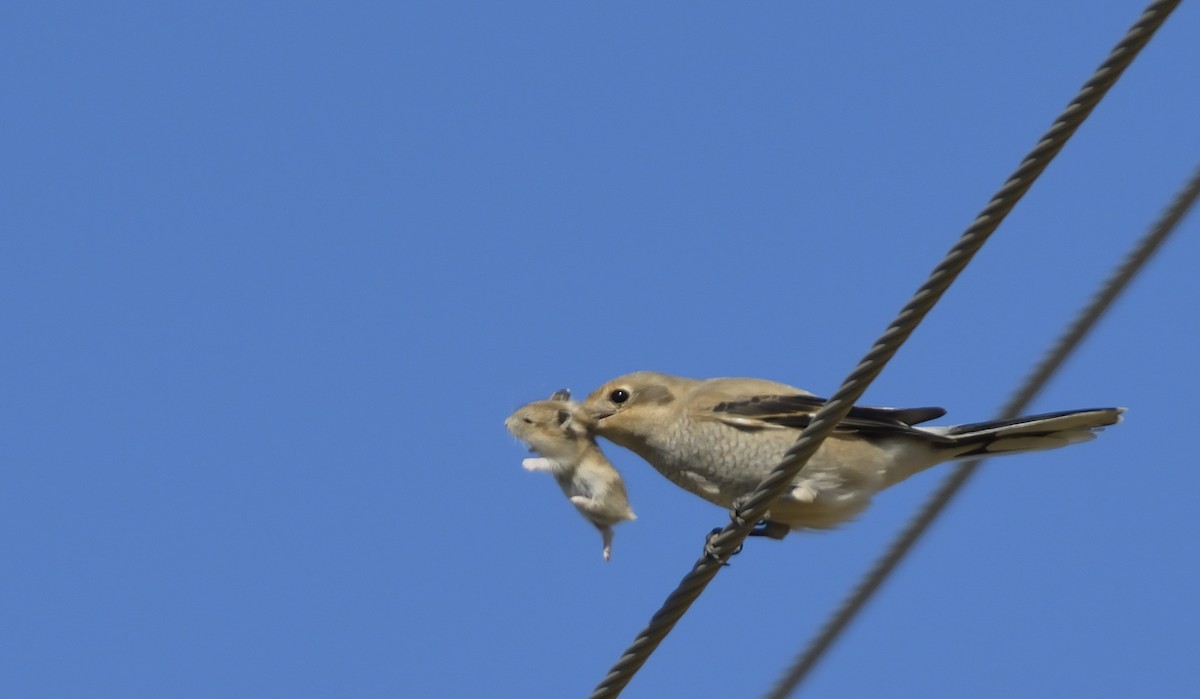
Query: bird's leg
point(771, 530)
point(764, 527)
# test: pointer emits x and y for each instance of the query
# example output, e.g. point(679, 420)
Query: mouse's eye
point(527, 420)
point(619, 396)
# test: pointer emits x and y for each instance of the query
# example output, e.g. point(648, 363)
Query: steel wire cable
point(1037, 379)
point(751, 509)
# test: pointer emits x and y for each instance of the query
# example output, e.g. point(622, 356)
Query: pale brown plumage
point(718, 438)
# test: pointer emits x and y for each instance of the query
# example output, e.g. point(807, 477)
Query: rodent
point(558, 430)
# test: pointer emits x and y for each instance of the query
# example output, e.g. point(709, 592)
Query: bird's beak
point(598, 415)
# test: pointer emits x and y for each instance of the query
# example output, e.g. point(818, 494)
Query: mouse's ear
point(561, 394)
point(564, 417)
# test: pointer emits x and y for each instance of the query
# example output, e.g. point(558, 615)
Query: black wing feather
point(797, 411)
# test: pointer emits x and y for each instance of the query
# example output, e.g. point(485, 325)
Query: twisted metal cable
point(752, 509)
point(1034, 382)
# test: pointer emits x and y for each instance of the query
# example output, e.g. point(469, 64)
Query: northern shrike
point(718, 438)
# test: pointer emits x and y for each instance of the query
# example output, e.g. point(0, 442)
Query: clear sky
point(273, 274)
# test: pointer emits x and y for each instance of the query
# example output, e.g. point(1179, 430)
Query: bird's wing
point(796, 411)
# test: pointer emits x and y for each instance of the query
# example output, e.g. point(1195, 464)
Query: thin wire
point(721, 546)
point(1034, 382)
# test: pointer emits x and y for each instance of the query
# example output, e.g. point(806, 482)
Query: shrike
point(718, 438)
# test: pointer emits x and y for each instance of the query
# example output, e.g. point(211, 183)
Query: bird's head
point(630, 408)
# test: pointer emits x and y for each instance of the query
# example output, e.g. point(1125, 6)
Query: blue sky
point(273, 274)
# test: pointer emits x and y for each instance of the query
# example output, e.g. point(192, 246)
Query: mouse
point(558, 431)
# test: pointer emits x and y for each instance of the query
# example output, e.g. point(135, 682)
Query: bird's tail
point(1030, 433)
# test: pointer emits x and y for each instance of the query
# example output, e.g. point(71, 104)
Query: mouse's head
point(554, 427)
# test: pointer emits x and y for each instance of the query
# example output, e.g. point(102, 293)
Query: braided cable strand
point(755, 507)
point(749, 511)
point(1143, 250)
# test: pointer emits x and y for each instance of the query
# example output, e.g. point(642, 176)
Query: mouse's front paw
point(536, 464)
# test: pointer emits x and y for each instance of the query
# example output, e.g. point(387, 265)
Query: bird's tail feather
point(1030, 433)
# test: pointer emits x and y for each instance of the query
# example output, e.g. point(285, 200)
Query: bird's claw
point(709, 550)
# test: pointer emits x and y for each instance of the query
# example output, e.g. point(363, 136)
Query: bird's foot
point(708, 545)
point(765, 528)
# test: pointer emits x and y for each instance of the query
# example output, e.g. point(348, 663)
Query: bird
point(718, 438)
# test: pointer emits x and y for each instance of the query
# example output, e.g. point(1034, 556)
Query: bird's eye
point(619, 396)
